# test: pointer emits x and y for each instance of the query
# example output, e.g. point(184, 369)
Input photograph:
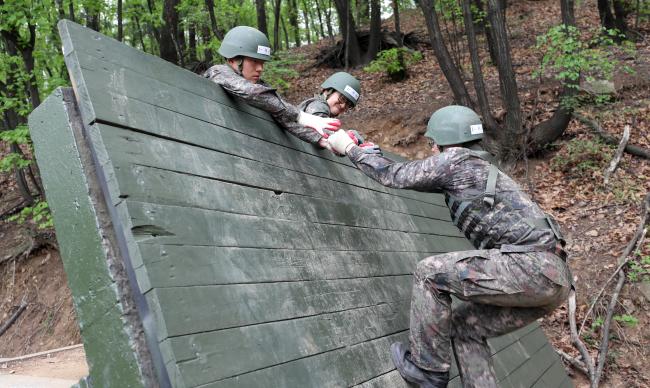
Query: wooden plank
point(530, 372)
point(187, 310)
point(126, 88)
point(391, 379)
point(188, 226)
point(127, 148)
point(175, 266)
point(499, 343)
point(147, 184)
point(339, 368)
point(554, 376)
point(509, 359)
point(207, 357)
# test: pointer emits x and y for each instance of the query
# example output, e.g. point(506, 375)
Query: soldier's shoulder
point(315, 105)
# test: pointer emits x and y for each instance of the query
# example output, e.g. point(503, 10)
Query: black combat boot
point(412, 373)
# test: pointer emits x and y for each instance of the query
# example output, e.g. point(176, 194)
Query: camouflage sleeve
point(429, 175)
point(264, 97)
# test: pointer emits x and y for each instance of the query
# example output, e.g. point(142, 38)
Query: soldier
point(339, 93)
point(246, 50)
point(517, 273)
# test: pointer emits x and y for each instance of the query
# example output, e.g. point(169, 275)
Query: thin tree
point(398, 32)
point(168, 43)
point(120, 29)
point(292, 12)
point(320, 19)
point(305, 15)
point(260, 6)
point(375, 30)
point(347, 25)
point(209, 6)
point(277, 7)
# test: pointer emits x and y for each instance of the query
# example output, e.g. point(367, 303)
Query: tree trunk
point(511, 144)
point(320, 20)
point(140, 33)
point(286, 33)
point(60, 10)
point(168, 43)
point(92, 16)
point(349, 32)
point(479, 85)
point(209, 5)
point(396, 20)
point(606, 16)
point(71, 10)
point(328, 18)
point(292, 12)
point(620, 13)
point(120, 30)
point(207, 52)
point(260, 6)
point(305, 13)
point(551, 129)
point(276, 26)
point(192, 46)
point(375, 30)
point(153, 29)
point(442, 54)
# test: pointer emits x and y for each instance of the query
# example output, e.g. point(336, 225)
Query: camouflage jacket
point(458, 174)
point(262, 96)
point(316, 105)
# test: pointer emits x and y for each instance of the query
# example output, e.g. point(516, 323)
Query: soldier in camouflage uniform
point(246, 49)
point(339, 93)
point(517, 273)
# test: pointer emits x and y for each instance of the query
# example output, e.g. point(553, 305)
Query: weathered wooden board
point(260, 260)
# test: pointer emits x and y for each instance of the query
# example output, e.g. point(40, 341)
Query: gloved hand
point(355, 136)
point(322, 125)
point(340, 142)
point(371, 148)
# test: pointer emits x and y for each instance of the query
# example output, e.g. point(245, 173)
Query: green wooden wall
point(256, 260)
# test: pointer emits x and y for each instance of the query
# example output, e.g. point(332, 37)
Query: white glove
point(341, 142)
point(322, 125)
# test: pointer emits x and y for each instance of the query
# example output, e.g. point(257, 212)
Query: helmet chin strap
point(240, 66)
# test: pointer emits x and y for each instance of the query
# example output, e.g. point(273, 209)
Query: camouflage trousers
point(499, 293)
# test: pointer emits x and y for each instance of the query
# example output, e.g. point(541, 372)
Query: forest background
point(556, 83)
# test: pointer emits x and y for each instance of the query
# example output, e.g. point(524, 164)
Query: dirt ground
point(598, 220)
point(67, 364)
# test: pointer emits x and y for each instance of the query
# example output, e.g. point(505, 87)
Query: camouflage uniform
point(262, 96)
point(316, 106)
point(516, 275)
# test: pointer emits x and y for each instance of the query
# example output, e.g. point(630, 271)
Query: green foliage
point(597, 323)
point(280, 71)
point(626, 319)
point(639, 268)
point(569, 55)
point(394, 62)
point(38, 214)
point(581, 157)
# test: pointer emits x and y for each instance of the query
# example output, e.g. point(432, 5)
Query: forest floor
point(566, 180)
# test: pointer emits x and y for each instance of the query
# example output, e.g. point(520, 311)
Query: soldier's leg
point(471, 325)
point(487, 277)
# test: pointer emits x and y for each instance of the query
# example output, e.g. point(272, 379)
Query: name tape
point(350, 90)
point(264, 50)
point(476, 129)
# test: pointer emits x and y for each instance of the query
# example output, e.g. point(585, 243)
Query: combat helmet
point(345, 84)
point(454, 124)
point(245, 41)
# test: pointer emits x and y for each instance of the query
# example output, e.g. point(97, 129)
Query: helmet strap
point(240, 65)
